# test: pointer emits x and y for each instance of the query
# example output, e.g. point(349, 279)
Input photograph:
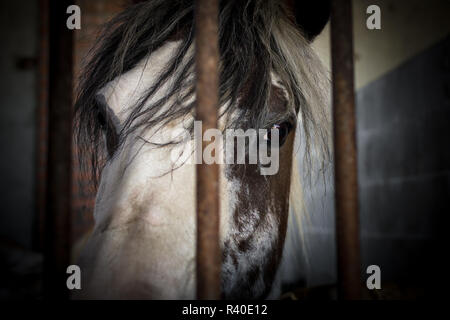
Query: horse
point(137, 90)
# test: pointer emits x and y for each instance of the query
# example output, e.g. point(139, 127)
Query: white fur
point(141, 199)
point(143, 243)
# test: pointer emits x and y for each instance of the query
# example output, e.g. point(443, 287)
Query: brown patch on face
point(261, 200)
point(278, 102)
point(280, 189)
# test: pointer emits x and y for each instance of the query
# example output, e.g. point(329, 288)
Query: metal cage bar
point(346, 180)
point(207, 61)
point(59, 165)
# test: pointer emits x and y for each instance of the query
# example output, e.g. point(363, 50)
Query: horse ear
point(311, 16)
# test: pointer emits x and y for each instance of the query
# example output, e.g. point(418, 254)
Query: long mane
point(256, 38)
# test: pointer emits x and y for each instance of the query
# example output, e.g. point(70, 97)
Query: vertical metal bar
point(57, 222)
point(41, 128)
point(207, 60)
point(346, 180)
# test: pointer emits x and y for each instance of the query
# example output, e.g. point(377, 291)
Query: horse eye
point(283, 131)
point(101, 120)
point(111, 137)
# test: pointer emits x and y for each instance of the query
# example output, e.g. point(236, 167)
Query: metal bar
point(346, 180)
point(57, 221)
point(207, 60)
point(41, 128)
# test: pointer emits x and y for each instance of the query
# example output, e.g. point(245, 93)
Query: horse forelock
point(256, 39)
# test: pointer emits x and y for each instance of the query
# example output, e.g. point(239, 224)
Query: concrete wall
point(19, 34)
point(404, 165)
point(402, 77)
point(407, 28)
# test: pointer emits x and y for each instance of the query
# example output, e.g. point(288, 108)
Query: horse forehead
point(125, 90)
point(122, 93)
point(279, 96)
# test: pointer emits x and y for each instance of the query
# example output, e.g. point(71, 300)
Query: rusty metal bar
point(207, 60)
point(57, 220)
point(346, 180)
point(41, 128)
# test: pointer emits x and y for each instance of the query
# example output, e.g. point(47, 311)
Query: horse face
point(143, 243)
